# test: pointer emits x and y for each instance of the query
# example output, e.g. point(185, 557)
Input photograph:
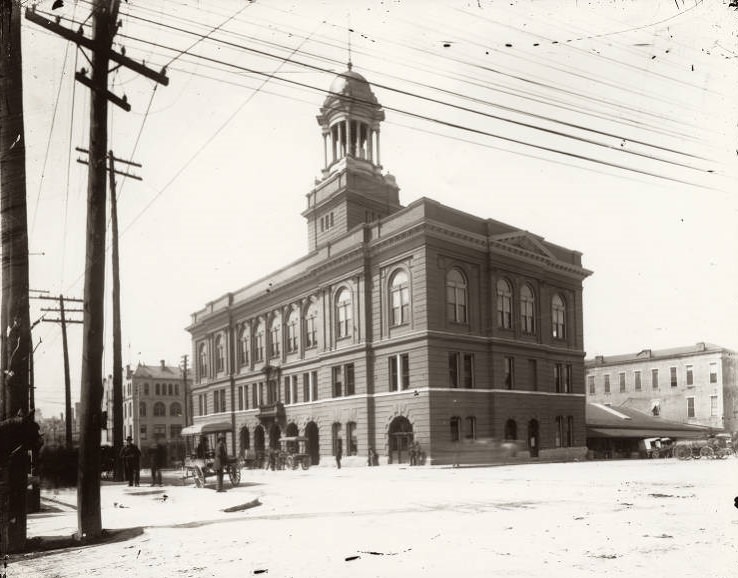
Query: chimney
point(599, 359)
point(163, 365)
point(701, 346)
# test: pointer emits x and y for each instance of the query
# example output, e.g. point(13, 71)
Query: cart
point(293, 453)
point(200, 459)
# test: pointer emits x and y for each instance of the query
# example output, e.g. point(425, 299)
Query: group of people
point(131, 456)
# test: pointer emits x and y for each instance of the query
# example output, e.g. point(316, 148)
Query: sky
point(609, 127)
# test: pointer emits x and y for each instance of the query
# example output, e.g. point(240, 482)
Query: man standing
point(221, 457)
point(339, 453)
point(131, 456)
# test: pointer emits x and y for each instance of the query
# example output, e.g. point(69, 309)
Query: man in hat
point(131, 456)
point(221, 458)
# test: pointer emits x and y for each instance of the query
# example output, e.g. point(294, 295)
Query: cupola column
point(325, 150)
point(370, 144)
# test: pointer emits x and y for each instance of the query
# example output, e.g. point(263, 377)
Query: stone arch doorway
point(244, 439)
point(274, 434)
point(533, 438)
point(313, 442)
point(259, 446)
point(511, 430)
point(400, 437)
point(291, 430)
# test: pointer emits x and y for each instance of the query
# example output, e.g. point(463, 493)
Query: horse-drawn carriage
point(293, 453)
point(717, 446)
point(200, 440)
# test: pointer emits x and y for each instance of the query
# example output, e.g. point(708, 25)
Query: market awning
point(207, 428)
point(645, 433)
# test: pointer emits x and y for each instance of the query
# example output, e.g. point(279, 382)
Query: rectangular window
point(637, 377)
point(471, 428)
point(305, 387)
point(314, 385)
point(567, 378)
point(569, 431)
point(509, 372)
point(453, 370)
point(245, 397)
point(216, 401)
point(175, 430)
point(142, 432)
point(690, 407)
point(259, 347)
point(200, 410)
point(311, 332)
point(262, 397)
point(713, 405)
point(673, 376)
point(287, 391)
point(337, 381)
point(591, 384)
point(559, 433)
point(146, 389)
point(157, 389)
point(607, 383)
point(533, 374)
point(176, 389)
point(713, 373)
point(254, 396)
point(469, 370)
point(559, 377)
point(348, 376)
point(621, 379)
point(169, 389)
point(272, 391)
point(655, 378)
point(295, 389)
point(222, 401)
point(240, 398)
point(160, 431)
point(690, 375)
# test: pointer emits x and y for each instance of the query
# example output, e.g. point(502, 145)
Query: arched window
point(160, 409)
point(558, 317)
point(343, 313)
point(259, 341)
point(511, 430)
point(527, 310)
point(456, 296)
point(293, 330)
point(219, 354)
point(504, 304)
point(399, 299)
point(311, 328)
point(455, 428)
point(275, 334)
point(142, 409)
point(336, 441)
point(203, 361)
point(175, 410)
point(243, 346)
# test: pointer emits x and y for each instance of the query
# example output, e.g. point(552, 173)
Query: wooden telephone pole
point(104, 27)
point(62, 320)
point(15, 343)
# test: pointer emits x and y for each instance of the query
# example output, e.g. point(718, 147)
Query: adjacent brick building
point(419, 323)
point(695, 384)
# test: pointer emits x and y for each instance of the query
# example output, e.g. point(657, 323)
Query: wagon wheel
point(683, 452)
point(291, 462)
point(305, 462)
point(234, 473)
point(707, 452)
point(199, 477)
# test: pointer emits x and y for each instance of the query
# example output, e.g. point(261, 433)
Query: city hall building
point(401, 325)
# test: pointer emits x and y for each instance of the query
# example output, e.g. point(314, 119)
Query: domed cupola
point(352, 191)
point(350, 118)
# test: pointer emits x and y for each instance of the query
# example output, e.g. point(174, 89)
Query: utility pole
point(186, 390)
point(15, 343)
point(104, 25)
point(117, 353)
point(62, 320)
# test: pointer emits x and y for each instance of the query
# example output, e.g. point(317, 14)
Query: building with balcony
point(401, 324)
point(695, 384)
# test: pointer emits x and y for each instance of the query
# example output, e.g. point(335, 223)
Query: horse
point(17, 434)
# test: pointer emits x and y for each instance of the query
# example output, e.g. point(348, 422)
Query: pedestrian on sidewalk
point(131, 456)
point(339, 454)
point(221, 457)
point(156, 460)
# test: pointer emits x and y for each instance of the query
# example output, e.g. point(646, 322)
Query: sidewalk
point(136, 507)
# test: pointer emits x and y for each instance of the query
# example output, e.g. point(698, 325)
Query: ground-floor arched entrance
point(400, 438)
point(313, 442)
point(259, 446)
point(244, 440)
point(533, 438)
point(274, 434)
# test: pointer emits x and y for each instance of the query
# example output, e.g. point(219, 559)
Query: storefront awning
point(207, 428)
point(623, 433)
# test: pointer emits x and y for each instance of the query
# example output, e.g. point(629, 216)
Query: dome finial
point(348, 17)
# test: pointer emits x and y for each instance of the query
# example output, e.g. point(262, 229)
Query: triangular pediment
point(525, 241)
